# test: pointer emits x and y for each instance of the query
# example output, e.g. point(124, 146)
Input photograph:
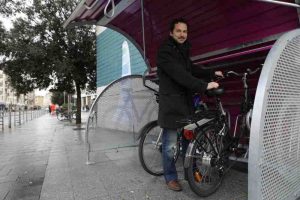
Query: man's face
point(179, 33)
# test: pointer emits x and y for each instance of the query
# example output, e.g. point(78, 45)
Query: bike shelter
point(118, 113)
point(125, 106)
point(242, 39)
point(274, 160)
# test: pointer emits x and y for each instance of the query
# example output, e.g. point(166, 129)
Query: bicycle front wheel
point(205, 172)
point(150, 149)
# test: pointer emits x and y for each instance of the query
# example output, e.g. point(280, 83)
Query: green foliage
point(9, 7)
point(58, 98)
point(40, 52)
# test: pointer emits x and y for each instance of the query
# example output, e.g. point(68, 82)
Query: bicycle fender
point(188, 155)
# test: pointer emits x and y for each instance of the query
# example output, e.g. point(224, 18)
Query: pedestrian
point(179, 79)
point(49, 109)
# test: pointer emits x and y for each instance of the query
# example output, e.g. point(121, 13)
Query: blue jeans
point(169, 140)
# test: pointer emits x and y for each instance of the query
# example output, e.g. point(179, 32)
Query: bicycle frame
point(219, 119)
point(246, 104)
point(223, 119)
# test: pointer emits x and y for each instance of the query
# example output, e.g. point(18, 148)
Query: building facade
point(8, 95)
point(116, 57)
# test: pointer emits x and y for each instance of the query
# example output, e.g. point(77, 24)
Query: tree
point(2, 37)
point(41, 52)
point(9, 7)
point(58, 98)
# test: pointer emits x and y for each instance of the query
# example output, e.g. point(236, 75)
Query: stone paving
point(46, 159)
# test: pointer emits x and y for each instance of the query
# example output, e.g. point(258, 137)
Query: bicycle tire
point(153, 127)
point(210, 177)
point(147, 130)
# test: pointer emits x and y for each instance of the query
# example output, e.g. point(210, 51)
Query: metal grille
point(274, 160)
point(119, 112)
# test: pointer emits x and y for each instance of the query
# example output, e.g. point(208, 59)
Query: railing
point(18, 116)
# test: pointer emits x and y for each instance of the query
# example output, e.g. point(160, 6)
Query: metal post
point(9, 116)
point(2, 119)
point(298, 9)
point(281, 3)
point(69, 103)
point(19, 116)
point(15, 122)
point(64, 97)
point(143, 28)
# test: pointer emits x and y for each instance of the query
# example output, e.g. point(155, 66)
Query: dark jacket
point(177, 83)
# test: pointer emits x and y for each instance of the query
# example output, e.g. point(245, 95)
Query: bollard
point(23, 115)
point(2, 116)
point(19, 116)
point(9, 116)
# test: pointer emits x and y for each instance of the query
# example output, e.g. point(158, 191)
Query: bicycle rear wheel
point(150, 149)
point(205, 172)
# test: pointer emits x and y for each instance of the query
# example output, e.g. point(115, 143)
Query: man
point(177, 83)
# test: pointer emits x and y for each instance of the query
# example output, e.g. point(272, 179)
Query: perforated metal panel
point(274, 159)
point(119, 112)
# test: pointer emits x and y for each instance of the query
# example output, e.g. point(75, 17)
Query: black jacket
point(177, 83)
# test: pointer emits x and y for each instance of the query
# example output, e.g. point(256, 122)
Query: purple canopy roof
point(217, 28)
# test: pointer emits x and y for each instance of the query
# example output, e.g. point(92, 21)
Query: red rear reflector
point(188, 134)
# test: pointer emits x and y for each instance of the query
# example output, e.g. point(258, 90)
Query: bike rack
point(125, 106)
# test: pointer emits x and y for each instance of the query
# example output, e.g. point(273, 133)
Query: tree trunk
point(78, 103)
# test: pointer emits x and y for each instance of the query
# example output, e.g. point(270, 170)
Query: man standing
point(178, 80)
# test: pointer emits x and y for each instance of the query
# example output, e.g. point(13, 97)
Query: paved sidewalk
point(45, 159)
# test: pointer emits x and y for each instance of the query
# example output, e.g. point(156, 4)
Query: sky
point(6, 22)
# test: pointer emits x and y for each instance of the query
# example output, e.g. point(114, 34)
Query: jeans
point(169, 140)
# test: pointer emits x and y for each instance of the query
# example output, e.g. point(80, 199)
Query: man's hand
point(219, 73)
point(212, 85)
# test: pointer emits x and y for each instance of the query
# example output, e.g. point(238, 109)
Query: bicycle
point(207, 158)
point(64, 115)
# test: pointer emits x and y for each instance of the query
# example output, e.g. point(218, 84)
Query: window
point(126, 68)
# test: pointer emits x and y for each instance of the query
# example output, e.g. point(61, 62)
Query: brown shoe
point(174, 185)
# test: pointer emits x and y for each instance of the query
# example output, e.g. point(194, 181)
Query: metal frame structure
point(274, 159)
point(142, 105)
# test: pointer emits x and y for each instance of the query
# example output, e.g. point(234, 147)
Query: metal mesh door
point(274, 160)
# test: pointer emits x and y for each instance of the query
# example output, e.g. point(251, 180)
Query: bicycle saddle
point(215, 92)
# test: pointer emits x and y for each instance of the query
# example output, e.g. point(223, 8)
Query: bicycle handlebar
point(248, 72)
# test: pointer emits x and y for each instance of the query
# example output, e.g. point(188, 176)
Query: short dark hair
point(176, 21)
